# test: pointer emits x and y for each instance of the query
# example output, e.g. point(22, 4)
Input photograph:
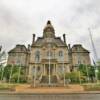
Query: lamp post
point(79, 74)
point(2, 73)
point(49, 65)
point(87, 74)
point(19, 67)
point(96, 75)
point(35, 75)
point(64, 71)
point(19, 74)
point(11, 73)
point(54, 59)
point(80, 77)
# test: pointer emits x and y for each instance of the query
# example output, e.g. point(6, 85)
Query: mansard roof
point(56, 40)
point(19, 49)
point(79, 48)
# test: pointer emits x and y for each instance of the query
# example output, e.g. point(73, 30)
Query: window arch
point(49, 53)
point(60, 53)
point(37, 56)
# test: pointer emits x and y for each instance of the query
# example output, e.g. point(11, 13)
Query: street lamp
point(11, 73)
point(96, 74)
point(19, 74)
point(2, 72)
point(63, 68)
point(49, 65)
point(35, 73)
point(87, 73)
point(79, 73)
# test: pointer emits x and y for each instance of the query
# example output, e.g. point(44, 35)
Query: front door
point(49, 69)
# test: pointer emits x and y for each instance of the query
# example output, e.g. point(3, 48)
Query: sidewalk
point(67, 89)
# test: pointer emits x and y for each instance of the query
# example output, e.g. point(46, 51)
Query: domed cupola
point(49, 30)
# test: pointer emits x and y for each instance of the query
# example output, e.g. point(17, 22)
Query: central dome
point(48, 31)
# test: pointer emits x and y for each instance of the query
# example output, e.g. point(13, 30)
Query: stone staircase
point(45, 79)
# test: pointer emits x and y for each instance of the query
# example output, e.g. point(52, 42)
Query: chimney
point(0, 47)
point(64, 38)
point(33, 38)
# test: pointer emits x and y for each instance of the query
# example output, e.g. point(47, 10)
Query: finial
point(48, 22)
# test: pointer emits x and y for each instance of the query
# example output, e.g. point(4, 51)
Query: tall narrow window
point(37, 56)
point(49, 53)
point(60, 53)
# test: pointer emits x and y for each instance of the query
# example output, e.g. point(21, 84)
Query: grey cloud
point(21, 18)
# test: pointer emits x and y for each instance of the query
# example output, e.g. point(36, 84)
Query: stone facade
point(19, 56)
point(48, 57)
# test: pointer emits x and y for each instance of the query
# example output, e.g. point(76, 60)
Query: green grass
point(6, 86)
point(91, 87)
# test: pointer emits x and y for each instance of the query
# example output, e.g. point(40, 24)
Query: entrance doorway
point(49, 69)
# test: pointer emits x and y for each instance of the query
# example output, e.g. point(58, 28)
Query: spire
point(49, 30)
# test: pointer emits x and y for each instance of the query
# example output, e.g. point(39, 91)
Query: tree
point(88, 71)
point(75, 77)
point(15, 73)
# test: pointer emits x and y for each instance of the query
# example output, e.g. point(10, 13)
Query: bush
point(73, 76)
point(15, 74)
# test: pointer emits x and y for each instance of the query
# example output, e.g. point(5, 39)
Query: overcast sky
point(19, 19)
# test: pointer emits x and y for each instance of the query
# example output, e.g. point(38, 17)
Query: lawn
point(92, 87)
point(7, 86)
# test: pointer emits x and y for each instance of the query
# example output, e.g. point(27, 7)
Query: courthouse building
point(48, 57)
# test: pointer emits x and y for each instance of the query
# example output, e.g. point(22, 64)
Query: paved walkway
point(67, 89)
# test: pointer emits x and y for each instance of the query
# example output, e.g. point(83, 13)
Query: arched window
point(60, 53)
point(37, 56)
point(49, 53)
